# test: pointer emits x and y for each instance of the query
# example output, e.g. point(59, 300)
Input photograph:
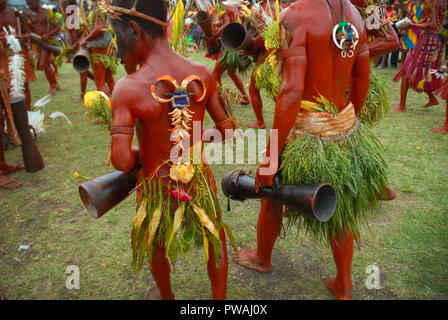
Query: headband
point(115, 12)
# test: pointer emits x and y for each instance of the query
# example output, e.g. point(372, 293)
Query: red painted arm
point(382, 45)
point(361, 78)
point(287, 106)
point(96, 32)
point(123, 157)
point(216, 109)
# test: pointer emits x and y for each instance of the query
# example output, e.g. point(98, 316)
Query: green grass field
point(407, 238)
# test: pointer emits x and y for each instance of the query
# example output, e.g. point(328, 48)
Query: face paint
point(125, 42)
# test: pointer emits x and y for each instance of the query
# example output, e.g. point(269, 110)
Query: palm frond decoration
point(178, 25)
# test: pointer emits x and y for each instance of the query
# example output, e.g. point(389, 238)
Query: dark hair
point(153, 8)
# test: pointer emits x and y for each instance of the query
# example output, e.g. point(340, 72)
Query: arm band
point(122, 130)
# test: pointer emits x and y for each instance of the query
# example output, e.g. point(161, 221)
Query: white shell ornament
point(346, 38)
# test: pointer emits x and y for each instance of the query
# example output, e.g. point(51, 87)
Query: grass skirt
point(353, 165)
point(426, 56)
point(109, 62)
point(177, 225)
point(377, 102)
point(235, 60)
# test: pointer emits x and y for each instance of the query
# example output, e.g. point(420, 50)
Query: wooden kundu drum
point(235, 36)
point(31, 156)
point(317, 201)
point(101, 194)
point(205, 20)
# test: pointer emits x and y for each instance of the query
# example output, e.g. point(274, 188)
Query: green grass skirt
point(233, 60)
point(191, 233)
point(109, 62)
point(377, 102)
point(353, 165)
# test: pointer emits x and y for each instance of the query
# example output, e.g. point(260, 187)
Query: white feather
point(36, 120)
point(17, 75)
point(42, 101)
point(16, 64)
point(59, 114)
point(236, 3)
point(12, 41)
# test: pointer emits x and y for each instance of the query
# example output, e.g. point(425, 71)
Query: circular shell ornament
point(346, 38)
point(192, 78)
point(170, 80)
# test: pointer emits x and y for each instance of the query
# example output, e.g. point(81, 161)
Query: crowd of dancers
point(340, 95)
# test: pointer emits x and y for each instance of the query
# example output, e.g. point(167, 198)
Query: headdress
point(115, 12)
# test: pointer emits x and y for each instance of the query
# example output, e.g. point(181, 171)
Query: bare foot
point(256, 124)
point(154, 294)
point(431, 102)
point(248, 258)
point(80, 99)
point(7, 168)
point(390, 195)
point(8, 183)
point(52, 90)
point(331, 285)
point(245, 100)
point(399, 108)
point(443, 130)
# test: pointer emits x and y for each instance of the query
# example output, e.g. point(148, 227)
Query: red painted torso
point(327, 74)
point(38, 21)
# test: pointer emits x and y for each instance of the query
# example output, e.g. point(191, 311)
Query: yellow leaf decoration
point(205, 240)
point(178, 217)
point(153, 224)
point(205, 220)
point(140, 215)
point(77, 175)
point(178, 24)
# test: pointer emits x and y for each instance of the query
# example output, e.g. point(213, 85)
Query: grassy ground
point(407, 239)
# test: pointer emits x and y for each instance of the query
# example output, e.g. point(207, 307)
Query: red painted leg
point(49, 73)
point(432, 100)
point(268, 229)
point(110, 80)
point(342, 248)
point(218, 273)
point(160, 269)
point(99, 75)
point(83, 78)
point(443, 129)
point(240, 85)
point(257, 105)
point(403, 94)
point(218, 71)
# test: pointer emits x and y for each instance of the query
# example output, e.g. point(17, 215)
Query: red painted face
point(126, 44)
